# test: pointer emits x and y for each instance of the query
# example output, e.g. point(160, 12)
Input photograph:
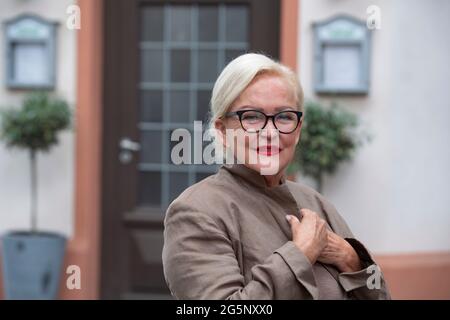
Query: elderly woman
point(248, 233)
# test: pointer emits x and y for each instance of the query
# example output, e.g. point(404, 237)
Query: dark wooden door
point(161, 60)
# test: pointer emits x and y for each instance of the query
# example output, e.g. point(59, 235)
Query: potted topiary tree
point(32, 259)
point(328, 138)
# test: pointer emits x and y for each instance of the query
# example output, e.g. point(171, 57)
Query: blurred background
point(132, 71)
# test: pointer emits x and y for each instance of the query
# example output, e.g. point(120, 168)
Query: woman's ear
point(220, 130)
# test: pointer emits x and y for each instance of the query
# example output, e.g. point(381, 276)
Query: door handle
point(130, 145)
point(127, 147)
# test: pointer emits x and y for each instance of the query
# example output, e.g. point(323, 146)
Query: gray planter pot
point(32, 264)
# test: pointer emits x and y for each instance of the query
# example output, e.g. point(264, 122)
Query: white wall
point(56, 169)
point(395, 193)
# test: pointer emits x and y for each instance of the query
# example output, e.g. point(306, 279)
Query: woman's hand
point(310, 234)
point(340, 253)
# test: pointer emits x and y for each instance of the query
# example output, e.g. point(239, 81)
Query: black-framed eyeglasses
point(255, 120)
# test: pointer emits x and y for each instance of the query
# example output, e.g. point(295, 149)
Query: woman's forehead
point(268, 90)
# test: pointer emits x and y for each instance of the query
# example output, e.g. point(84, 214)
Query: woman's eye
point(286, 117)
point(251, 117)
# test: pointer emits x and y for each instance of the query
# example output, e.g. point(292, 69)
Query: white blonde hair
point(238, 74)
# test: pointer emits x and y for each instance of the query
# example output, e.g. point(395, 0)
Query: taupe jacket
point(226, 237)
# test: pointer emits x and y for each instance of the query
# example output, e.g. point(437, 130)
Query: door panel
point(162, 59)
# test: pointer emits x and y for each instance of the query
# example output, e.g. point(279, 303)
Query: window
point(30, 45)
point(342, 46)
point(182, 50)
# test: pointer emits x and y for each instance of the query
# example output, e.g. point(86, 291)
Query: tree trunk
point(33, 203)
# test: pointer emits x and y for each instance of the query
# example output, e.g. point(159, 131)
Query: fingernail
point(288, 218)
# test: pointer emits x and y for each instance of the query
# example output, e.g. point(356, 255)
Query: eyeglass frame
point(239, 113)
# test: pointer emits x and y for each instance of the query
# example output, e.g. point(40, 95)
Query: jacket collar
point(251, 176)
point(280, 193)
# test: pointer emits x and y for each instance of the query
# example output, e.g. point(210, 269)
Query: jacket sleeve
point(368, 283)
point(200, 263)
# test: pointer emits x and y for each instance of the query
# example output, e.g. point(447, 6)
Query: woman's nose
point(269, 130)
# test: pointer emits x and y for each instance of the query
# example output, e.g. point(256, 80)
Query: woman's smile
point(268, 150)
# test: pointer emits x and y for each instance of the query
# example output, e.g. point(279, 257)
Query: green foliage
point(327, 139)
point(35, 126)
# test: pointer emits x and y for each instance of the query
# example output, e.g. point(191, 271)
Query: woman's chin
point(267, 165)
